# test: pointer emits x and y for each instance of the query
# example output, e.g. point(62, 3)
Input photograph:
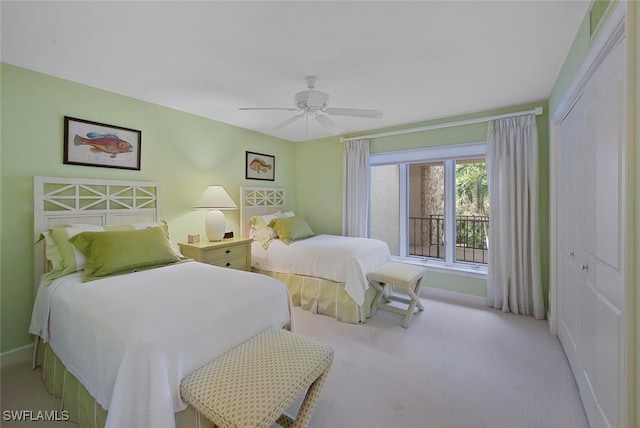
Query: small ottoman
point(253, 384)
point(404, 277)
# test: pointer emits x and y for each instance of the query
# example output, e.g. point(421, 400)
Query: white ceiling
point(414, 60)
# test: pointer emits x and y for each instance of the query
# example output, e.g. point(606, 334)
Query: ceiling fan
point(316, 102)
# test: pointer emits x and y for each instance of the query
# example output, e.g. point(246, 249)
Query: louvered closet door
point(591, 241)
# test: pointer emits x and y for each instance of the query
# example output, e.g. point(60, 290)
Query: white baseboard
point(453, 296)
point(18, 355)
point(551, 324)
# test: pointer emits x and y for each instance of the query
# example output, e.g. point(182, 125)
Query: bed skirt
point(323, 296)
point(83, 409)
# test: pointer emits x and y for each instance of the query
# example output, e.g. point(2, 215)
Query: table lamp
point(216, 199)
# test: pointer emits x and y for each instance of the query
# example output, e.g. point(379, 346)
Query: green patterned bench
point(404, 277)
point(253, 384)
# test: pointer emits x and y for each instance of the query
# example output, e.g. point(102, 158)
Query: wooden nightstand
point(233, 253)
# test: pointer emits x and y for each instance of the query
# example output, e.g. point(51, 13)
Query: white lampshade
point(216, 199)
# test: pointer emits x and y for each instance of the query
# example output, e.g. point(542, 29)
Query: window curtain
point(355, 201)
point(514, 278)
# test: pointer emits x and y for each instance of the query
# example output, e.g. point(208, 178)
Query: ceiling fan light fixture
point(311, 100)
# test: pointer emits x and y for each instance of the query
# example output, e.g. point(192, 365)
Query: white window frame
point(448, 155)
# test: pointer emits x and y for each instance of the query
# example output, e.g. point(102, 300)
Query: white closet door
point(603, 263)
point(590, 260)
point(569, 226)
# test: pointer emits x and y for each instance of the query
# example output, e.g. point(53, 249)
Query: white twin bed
point(124, 317)
point(325, 274)
point(117, 346)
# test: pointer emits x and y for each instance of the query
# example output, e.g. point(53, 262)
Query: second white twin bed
point(325, 274)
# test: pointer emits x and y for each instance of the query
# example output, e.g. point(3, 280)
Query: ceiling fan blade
point(374, 114)
point(289, 121)
point(269, 108)
point(327, 123)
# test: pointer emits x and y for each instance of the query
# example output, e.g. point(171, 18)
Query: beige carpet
point(455, 367)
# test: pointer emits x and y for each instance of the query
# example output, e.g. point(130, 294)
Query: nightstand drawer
point(235, 263)
point(228, 252)
point(234, 253)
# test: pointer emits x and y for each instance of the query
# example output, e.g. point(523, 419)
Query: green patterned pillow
point(123, 251)
point(291, 229)
point(261, 230)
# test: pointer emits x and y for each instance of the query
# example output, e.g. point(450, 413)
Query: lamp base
point(214, 225)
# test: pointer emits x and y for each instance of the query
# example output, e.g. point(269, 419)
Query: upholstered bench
point(253, 384)
point(402, 276)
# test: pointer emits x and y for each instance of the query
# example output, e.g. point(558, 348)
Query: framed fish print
point(260, 166)
point(96, 144)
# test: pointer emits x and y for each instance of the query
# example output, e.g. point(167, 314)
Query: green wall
point(320, 188)
point(635, 47)
point(182, 152)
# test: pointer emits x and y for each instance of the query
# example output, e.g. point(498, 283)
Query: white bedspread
point(337, 258)
point(130, 339)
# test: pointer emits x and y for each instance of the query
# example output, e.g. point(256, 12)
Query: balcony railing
point(426, 237)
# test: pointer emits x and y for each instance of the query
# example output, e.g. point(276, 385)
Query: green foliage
point(472, 190)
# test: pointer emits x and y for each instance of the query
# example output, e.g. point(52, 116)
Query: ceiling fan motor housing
point(311, 100)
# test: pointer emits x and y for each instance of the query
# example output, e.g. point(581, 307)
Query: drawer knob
point(228, 264)
point(228, 251)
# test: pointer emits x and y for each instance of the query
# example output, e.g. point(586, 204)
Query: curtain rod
point(537, 111)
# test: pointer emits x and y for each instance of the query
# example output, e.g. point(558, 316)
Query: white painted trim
point(452, 151)
point(453, 296)
point(552, 322)
point(18, 355)
point(610, 34)
point(553, 227)
point(449, 211)
point(404, 208)
point(630, 356)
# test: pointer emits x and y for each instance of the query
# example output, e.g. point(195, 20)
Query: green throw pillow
point(123, 251)
point(291, 229)
point(64, 257)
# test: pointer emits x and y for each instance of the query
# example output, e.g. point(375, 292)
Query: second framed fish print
point(260, 167)
point(96, 144)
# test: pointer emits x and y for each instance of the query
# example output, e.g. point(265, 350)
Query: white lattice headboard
point(58, 201)
point(259, 201)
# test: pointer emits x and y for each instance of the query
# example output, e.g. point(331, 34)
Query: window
point(432, 204)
